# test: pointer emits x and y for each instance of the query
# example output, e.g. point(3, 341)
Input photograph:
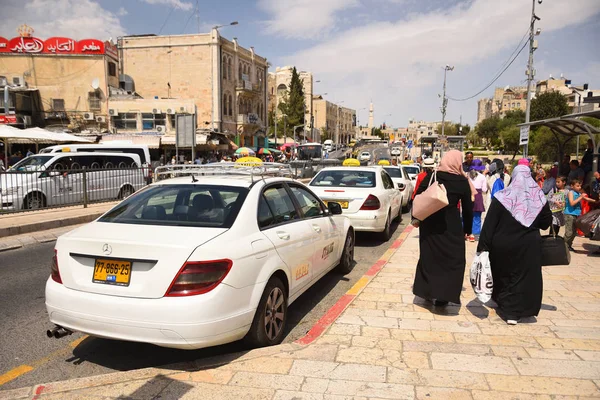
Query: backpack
point(498, 186)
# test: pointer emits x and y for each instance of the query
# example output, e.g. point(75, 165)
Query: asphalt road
point(24, 322)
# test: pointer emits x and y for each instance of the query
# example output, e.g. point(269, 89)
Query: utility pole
point(530, 71)
point(444, 98)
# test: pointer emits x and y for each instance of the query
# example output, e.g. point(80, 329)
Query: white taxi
point(367, 196)
point(403, 183)
point(196, 261)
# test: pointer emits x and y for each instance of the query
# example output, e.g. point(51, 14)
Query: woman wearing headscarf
point(480, 185)
point(441, 266)
point(511, 234)
point(496, 170)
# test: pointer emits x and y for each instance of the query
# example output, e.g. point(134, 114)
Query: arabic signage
point(56, 45)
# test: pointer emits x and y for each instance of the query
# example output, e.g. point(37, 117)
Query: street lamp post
point(444, 98)
point(530, 72)
point(585, 87)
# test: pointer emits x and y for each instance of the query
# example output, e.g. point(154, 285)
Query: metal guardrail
point(43, 189)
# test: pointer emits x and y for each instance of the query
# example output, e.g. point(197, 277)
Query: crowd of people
point(504, 209)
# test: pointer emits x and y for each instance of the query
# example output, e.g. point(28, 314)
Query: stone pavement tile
point(434, 393)
point(314, 369)
point(206, 391)
point(577, 315)
point(458, 379)
point(372, 331)
point(211, 376)
point(313, 352)
point(372, 356)
point(390, 344)
point(406, 376)
point(586, 323)
point(334, 339)
point(417, 315)
point(366, 341)
point(472, 363)
point(455, 326)
point(386, 305)
point(15, 394)
point(509, 351)
point(569, 344)
point(329, 370)
point(441, 347)
point(402, 335)
point(497, 340)
point(588, 355)
point(363, 304)
point(552, 354)
point(425, 336)
point(336, 397)
point(260, 364)
point(543, 385)
point(344, 329)
point(371, 389)
point(571, 293)
point(594, 307)
point(364, 312)
point(495, 395)
point(270, 381)
point(350, 319)
point(569, 332)
point(381, 322)
point(315, 385)
point(562, 369)
point(526, 330)
point(416, 360)
point(290, 395)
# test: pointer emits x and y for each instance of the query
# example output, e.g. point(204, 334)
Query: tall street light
point(530, 71)
point(444, 98)
point(215, 40)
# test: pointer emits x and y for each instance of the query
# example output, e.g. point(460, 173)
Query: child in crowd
point(557, 199)
point(573, 210)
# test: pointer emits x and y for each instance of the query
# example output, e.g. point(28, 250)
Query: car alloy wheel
point(274, 313)
point(347, 258)
point(268, 324)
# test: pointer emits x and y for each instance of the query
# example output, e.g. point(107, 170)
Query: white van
point(140, 149)
point(56, 179)
point(328, 145)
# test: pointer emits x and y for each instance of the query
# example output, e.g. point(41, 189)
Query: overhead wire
point(190, 17)
point(166, 20)
point(502, 69)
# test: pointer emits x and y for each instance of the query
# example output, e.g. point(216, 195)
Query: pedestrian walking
point(497, 180)
point(441, 266)
point(557, 199)
point(480, 185)
point(511, 235)
point(572, 211)
point(428, 165)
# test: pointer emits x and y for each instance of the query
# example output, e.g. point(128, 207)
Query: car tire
point(347, 259)
point(34, 201)
point(398, 217)
point(386, 234)
point(265, 331)
point(408, 206)
point(125, 192)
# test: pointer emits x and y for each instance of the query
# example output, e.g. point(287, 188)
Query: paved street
point(23, 274)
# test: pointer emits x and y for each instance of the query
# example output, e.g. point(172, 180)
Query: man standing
point(468, 161)
point(588, 157)
point(565, 166)
point(576, 171)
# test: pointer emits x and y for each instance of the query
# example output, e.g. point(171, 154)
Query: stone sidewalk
point(387, 344)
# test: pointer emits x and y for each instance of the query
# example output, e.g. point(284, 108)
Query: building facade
point(57, 81)
point(226, 82)
point(509, 98)
point(339, 122)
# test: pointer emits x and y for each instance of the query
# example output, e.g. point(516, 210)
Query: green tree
point(377, 132)
point(488, 129)
point(325, 134)
point(549, 105)
point(293, 103)
point(511, 139)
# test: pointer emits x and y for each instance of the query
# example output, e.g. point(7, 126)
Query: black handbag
point(555, 250)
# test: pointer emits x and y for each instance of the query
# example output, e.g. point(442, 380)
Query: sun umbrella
point(264, 151)
point(249, 161)
point(351, 162)
point(245, 151)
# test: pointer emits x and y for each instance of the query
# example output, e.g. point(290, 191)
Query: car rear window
point(412, 170)
point(349, 178)
point(394, 172)
point(180, 205)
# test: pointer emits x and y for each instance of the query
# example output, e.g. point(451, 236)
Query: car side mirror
point(334, 208)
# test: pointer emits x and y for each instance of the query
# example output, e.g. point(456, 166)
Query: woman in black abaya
point(511, 234)
point(441, 267)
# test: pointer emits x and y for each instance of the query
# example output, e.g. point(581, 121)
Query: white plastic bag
point(481, 276)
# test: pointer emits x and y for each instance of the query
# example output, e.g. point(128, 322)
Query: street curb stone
point(46, 225)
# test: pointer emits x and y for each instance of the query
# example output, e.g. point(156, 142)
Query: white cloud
point(399, 64)
point(179, 4)
point(303, 19)
point(77, 19)
point(122, 12)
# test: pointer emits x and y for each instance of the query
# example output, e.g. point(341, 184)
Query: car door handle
point(317, 228)
point(283, 235)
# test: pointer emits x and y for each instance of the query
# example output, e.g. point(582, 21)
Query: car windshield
point(412, 170)
point(394, 172)
point(349, 178)
point(31, 164)
point(180, 205)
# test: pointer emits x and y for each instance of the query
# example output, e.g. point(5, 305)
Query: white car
point(412, 170)
point(195, 262)
point(396, 151)
point(403, 183)
point(365, 156)
point(367, 196)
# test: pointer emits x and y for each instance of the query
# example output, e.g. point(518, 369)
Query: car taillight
point(54, 271)
point(371, 203)
point(198, 277)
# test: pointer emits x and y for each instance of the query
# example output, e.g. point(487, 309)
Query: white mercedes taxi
point(198, 260)
point(367, 196)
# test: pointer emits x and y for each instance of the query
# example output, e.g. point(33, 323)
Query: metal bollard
point(85, 193)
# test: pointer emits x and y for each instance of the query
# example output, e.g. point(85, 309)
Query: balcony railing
point(247, 86)
point(250, 119)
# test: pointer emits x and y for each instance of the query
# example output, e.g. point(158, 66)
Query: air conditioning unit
point(182, 109)
point(88, 116)
point(170, 111)
point(161, 128)
point(113, 112)
point(3, 81)
point(156, 111)
point(18, 81)
point(101, 118)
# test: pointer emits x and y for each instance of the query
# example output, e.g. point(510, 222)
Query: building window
point(172, 121)
point(112, 69)
point(151, 121)
point(240, 72)
point(125, 121)
point(58, 105)
point(94, 100)
point(225, 105)
point(230, 104)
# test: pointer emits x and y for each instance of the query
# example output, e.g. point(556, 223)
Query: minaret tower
point(371, 117)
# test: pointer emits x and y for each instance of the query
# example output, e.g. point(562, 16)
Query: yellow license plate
point(112, 272)
point(344, 204)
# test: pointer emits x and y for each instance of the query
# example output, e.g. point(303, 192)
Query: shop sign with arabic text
point(56, 45)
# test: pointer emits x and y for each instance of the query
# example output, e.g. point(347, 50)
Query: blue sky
point(389, 51)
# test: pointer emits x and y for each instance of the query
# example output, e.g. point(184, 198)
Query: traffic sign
point(409, 144)
point(524, 137)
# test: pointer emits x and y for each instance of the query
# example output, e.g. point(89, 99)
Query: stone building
point(505, 99)
point(57, 80)
point(340, 122)
point(226, 82)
